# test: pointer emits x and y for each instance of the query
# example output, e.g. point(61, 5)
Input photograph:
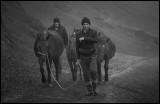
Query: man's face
point(86, 26)
point(57, 24)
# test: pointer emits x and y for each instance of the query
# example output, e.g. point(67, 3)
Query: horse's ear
point(47, 37)
point(74, 28)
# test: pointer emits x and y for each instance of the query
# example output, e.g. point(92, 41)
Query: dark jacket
point(86, 47)
point(62, 32)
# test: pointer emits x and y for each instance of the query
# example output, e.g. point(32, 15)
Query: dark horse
point(105, 51)
point(71, 54)
point(48, 47)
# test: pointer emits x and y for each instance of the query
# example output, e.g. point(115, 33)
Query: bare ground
point(132, 79)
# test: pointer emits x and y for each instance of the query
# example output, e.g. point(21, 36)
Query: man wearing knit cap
point(60, 29)
point(86, 41)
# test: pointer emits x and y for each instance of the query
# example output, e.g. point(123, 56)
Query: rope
point(58, 82)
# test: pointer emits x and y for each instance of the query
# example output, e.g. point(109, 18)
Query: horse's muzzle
point(42, 56)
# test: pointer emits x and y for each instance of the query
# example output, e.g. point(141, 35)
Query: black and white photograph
point(79, 51)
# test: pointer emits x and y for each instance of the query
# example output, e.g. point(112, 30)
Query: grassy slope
point(118, 20)
point(18, 32)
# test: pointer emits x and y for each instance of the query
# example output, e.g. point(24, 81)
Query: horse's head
point(101, 38)
point(101, 43)
point(75, 31)
point(72, 41)
point(42, 46)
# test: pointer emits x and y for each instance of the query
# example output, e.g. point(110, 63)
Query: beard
point(85, 29)
point(56, 26)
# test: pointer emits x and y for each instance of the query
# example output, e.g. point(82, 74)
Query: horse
point(105, 51)
point(71, 54)
point(49, 47)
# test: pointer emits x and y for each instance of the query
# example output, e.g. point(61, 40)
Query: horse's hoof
point(43, 81)
point(105, 83)
point(50, 85)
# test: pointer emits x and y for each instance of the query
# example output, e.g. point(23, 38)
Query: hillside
point(18, 32)
point(132, 26)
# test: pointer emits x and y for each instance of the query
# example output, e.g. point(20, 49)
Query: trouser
point(89, 66)
point(89, 70)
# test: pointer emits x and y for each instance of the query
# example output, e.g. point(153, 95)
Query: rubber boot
point(90, 90)
point(95, 93)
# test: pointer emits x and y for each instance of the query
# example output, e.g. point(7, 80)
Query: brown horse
point(105, 51)
point(71, 54)
point(48, 47)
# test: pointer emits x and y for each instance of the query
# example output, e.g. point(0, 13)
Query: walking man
point(86, 41)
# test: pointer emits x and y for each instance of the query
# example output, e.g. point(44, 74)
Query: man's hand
point(80, 39)
point(78, 61)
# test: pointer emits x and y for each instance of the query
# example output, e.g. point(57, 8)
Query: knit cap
point(86, 20)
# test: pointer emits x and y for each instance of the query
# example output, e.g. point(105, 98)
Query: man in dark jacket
point(60, 29)
point(86, 41)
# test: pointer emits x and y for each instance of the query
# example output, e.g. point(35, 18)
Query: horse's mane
point(102, 38)
point(52, 31)
point(72, 37)
point(76, 31)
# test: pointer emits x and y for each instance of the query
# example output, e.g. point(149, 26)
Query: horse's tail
point(112, 48)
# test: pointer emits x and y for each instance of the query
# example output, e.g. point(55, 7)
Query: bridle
point(55, 78)
point(42, 53)
point(101, 54)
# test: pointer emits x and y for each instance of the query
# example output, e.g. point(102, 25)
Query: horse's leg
point(75, 70)
point(99, 71)
point(71, 67)
point(57, 65)
point(106, 70)
point(42, 71)
point(80, 71)
point(60, 65)
point(49, 70)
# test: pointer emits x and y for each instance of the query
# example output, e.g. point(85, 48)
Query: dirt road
point(138, 82)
